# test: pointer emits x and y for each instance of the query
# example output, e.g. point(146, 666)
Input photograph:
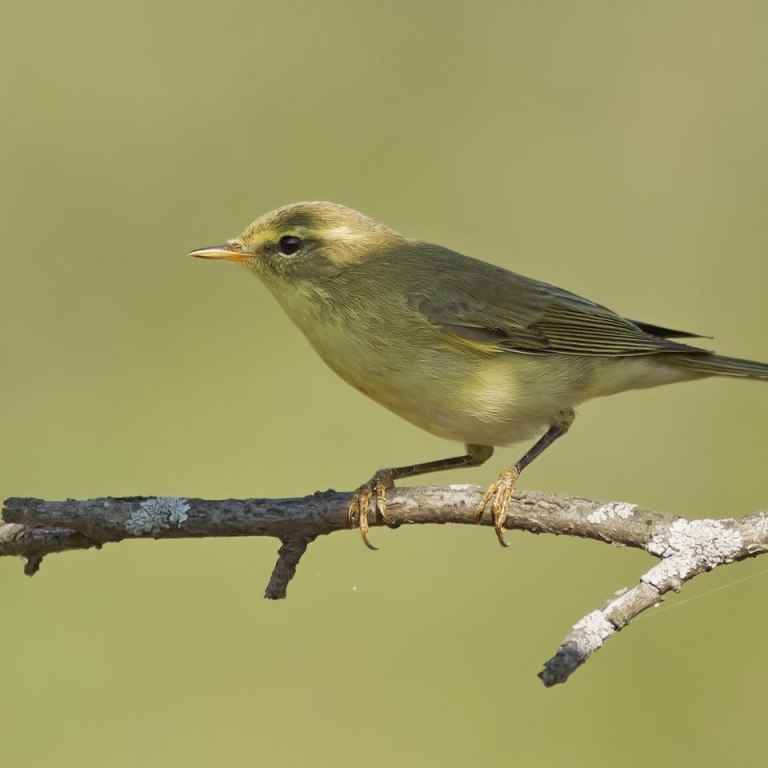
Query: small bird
point(461, 348)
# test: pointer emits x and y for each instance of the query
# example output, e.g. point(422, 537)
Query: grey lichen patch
point(657, 545)
point(761, 523)
point(690, 545)
point(591, 632)
point(157, 514)
point(669, 573)
point(610, 511)
point(711, 540)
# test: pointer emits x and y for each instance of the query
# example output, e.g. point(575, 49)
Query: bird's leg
point(499, 495)
point(384, 480)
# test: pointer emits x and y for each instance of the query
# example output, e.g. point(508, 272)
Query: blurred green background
point(615, 148)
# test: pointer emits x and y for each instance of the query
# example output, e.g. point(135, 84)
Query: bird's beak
point(228, 251)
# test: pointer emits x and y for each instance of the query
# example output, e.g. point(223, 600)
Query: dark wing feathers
point(508, 311)
point(666, 333)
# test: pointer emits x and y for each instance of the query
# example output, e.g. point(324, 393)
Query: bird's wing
point(501, 310)
point(667, 333)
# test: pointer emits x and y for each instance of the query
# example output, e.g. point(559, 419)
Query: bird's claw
point(360, 507)
point(499, 495)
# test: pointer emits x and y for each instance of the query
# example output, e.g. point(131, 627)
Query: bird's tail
point(717, 365)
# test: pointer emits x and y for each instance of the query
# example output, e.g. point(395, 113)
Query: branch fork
point(34, 528)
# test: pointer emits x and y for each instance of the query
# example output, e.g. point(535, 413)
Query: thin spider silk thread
point(660, 608)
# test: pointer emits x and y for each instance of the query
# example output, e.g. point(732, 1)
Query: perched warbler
point(463, 349)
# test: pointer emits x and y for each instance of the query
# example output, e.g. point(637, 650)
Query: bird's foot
point(375, 490)
point(499, 495)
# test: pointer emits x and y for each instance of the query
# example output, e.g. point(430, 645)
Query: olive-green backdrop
point(615, 148)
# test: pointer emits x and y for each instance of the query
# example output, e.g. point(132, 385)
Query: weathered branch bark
point(685, 548)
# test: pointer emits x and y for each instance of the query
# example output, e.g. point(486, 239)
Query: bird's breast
point(416, 371)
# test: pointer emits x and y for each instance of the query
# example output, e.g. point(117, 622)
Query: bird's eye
point(289, 244)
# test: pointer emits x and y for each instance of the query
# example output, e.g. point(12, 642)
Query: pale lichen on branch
point(34, 528)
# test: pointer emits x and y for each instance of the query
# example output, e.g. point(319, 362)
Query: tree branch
point(684, 548)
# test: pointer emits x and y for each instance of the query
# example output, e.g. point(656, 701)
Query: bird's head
point(304, 241)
